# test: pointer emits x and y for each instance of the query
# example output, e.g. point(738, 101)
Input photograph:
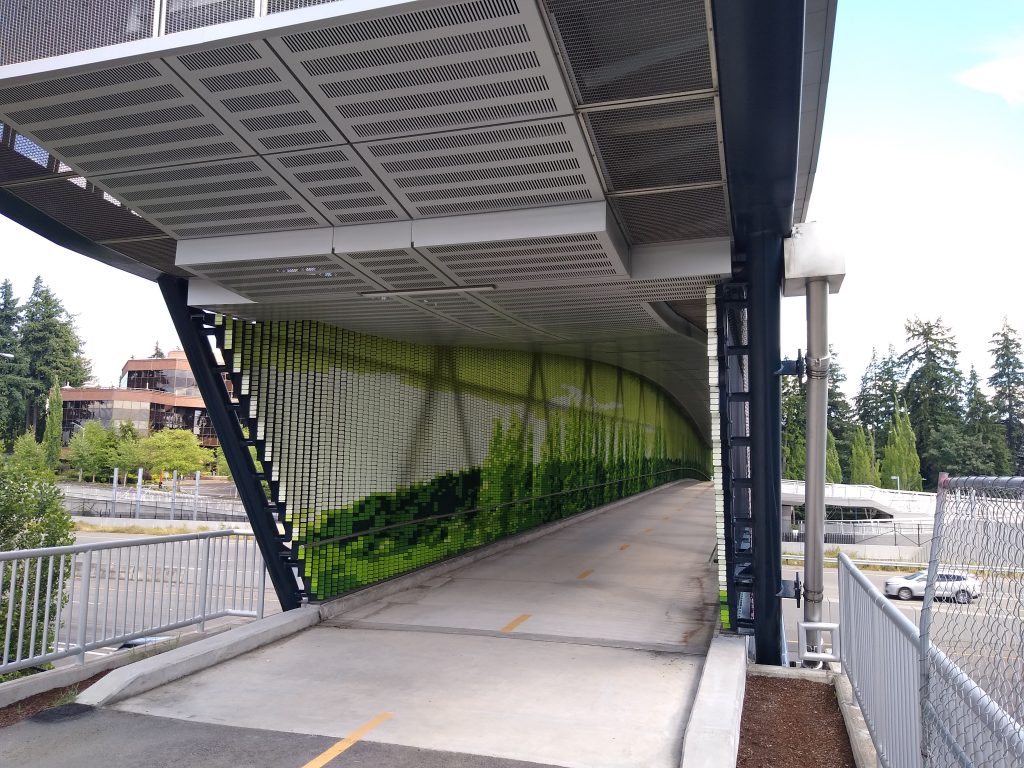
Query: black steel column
point(276, 552)
point(764, 264)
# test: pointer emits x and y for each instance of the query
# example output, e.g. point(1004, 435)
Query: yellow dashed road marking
point(585, 574)
point(325, 757)
point(624, 546)
point(515, 622)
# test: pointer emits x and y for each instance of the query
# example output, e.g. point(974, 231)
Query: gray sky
point(919, 178)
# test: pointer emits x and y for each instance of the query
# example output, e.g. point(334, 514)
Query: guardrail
point(904, 532)
point(916, 503)
point(60, 602)
point(880, 653)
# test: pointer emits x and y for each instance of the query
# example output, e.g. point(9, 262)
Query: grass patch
point(160, 531)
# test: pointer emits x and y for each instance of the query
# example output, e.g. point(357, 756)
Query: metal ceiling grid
point(632, 50)
point(687, 214)
point(106, 23)
point(396, 269)
point(536, 259)
point(340, 185)
point(255, 93)
point(657, 145)
point(79, 205)
point(190, 14)
point(435, 68)
point(217, 198)
point(157, 252)
point(121, 119)
point(524, 165)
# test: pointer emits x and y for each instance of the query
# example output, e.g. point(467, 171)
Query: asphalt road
point(75, 736)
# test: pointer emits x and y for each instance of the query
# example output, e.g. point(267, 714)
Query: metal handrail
point(102, 595)
point(524, 500)
point(21, 554)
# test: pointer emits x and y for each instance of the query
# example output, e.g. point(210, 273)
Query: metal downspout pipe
point(817, 426)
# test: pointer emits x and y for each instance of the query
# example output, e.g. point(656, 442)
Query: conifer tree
point(794, 430)
point(863, 466)
point(933, 387)
point(833, 469)
point(52, 348)
point(52, 431)
point(900, 458)
point(1007, 382)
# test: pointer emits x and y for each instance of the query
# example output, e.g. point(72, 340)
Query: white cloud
point(1002, 77)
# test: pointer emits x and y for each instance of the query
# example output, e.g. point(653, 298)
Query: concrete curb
point(713, 734)
point(864, 754)
point(150, 673)
point(16, 690)
point(337, 606)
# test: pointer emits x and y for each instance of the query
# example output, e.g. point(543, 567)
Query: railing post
point(204, 580)
point(174, 492)
point(262, 585)
point(83, 613)
point(195, 499)
point(138, 493)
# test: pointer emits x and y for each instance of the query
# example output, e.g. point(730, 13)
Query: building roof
point(570, 175)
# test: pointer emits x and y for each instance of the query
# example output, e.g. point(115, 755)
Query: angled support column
point(273, 545)
point(764, 259)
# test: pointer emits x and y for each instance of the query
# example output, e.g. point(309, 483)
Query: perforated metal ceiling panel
point(627, 50)
point(435, 68)
point(213, 199)
point(525, 165)
point(339, 184)
point(120, 119)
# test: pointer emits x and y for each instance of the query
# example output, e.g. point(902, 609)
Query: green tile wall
point(389, 455)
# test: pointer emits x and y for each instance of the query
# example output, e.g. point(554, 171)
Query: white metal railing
point(880, 652)
point(59, 602)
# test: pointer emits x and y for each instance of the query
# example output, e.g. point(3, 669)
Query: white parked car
point(961, 587)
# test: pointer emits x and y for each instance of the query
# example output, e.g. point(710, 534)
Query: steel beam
point(764, 262)
point(229, 432)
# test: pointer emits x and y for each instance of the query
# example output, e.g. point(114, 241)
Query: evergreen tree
point(794, 430)
point(985, 451)
point(1007, 382)
point(900, 458)
point(840, 413)
point(863, 466)
point(157, 352)
point(933, 387)
point(879, 389)
point(12, 369)
point(833, 470)
point(52, 432)
point(52, 348)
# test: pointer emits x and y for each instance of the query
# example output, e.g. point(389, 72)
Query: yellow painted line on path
point(585, 574)
point(324, 758)
point(624, 546)
point(648, 530)
point(515, 622)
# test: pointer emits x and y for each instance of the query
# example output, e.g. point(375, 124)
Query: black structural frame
point(760, 48)
point(275, 544)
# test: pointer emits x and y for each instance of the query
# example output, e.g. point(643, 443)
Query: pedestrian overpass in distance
point(900, 506)
point(472, 266)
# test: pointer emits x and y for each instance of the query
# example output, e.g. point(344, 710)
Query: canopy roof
point(491, 172)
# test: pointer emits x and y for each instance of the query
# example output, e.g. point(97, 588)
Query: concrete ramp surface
point(581, 648)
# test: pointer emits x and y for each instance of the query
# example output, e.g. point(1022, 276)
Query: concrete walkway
point(581, 648)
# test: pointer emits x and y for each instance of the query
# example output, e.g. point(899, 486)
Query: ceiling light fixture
point(429, 291)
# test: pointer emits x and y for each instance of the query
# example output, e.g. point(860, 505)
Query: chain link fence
point(972, 627)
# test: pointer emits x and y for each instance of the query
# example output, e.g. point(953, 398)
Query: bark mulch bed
point(791, 723)
point(33, 705)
